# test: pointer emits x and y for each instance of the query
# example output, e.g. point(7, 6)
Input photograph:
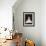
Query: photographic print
point(28, 18)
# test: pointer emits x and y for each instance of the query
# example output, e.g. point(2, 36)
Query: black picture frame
point(28, 19)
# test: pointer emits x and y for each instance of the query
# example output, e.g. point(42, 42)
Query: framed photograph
point(28, 19)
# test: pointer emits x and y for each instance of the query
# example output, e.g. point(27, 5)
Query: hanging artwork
point(28, 19)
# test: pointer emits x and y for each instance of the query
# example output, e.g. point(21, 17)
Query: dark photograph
point(28, 18)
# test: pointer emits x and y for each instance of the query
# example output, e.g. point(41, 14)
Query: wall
point(6, 13)
point(43, 22)
point(33, 33)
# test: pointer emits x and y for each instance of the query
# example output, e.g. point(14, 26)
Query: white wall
point(6, 13)
point(38, 32)
point(33, 33)
point(43, 22)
